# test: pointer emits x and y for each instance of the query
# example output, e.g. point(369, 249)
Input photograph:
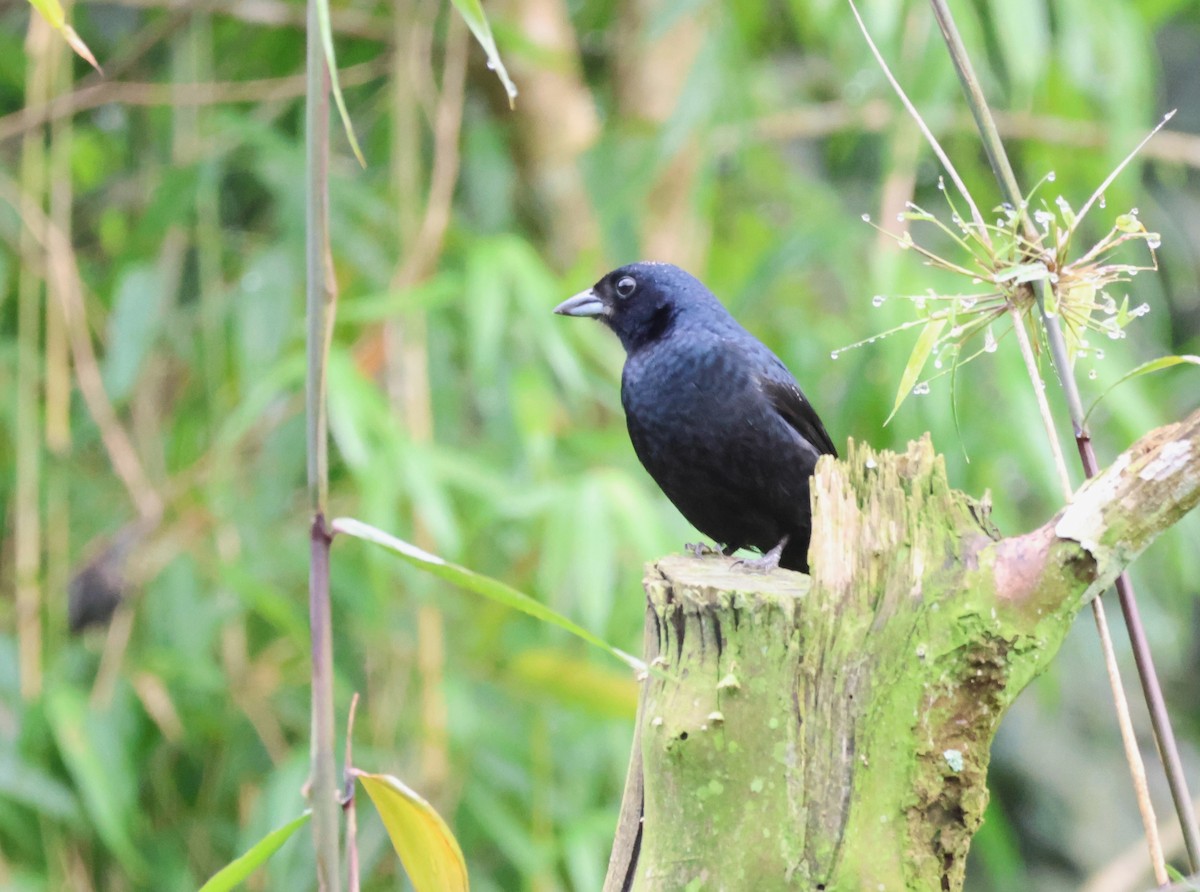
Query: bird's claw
point(764, 564)
point(699, 549)
point(767, 562)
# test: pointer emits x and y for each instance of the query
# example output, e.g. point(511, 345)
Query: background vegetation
point(744, 141)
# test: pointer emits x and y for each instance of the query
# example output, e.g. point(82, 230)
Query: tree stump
point(833, 733)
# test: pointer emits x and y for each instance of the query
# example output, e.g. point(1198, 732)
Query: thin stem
point(916, 116)
point(1132, 754)
point(1039, 392)
point(325, 805)
point(1143, 658)
point(326, 811)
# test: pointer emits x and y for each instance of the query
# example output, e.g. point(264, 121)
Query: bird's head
point(640, 301)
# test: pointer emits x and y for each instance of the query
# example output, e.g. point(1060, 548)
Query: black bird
point(714, 416)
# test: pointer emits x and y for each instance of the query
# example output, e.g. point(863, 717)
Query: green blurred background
point(744, 141)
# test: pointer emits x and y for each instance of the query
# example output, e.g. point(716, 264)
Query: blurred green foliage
point(467, 418)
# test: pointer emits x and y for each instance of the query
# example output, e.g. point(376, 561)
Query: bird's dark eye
point(626, 286)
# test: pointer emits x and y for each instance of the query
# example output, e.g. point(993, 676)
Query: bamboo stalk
point(319, 311)
point(57, 358)
point(27, 527)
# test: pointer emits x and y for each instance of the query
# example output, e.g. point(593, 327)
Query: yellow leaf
point(426, 847)
point(51, 11)
point(56, 18)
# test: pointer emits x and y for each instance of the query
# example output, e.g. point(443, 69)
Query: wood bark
point(833, 732)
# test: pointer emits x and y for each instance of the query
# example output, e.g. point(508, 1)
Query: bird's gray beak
point(585, 303)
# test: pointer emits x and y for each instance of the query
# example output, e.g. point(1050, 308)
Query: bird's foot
point(699, 549)
point(767, 562)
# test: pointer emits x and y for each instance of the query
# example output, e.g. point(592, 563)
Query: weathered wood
point(832, 733)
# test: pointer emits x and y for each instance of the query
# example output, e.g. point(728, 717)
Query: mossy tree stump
point(833, 733)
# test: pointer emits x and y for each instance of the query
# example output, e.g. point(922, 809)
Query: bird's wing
point(797, 411)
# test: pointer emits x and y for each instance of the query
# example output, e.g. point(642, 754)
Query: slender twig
point(319, 309)
point(1039, 392)
point(951, 170)
point(1143, 658)
point(258, 90)
point(353, 883)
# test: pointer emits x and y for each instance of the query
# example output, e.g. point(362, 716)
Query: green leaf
point(472, 13)
point(136, 321)
point(916, 361)
point(1154, 365)
point(95, 754)
point(490, 588)
point(237, 870)
point(430, 853)
point(331, 64)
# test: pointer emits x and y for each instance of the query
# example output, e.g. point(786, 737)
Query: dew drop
point(491, 65)
point(941, 184)
point(900, 217)
point(877, 300)
point(1154, 243)
point(1093, 375)
point(937, 363)
point(1103, 202)
point(835, 354)
point(968, 302)
point(1051, 177)
point(1099, 353)
point(921, 389)
point(866, 218)
point(989, 341)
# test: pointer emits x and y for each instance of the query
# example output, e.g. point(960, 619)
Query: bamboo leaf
point(238, 870)
point(331, 64)
point(1154, 365)
point(472, 13)
point(75, 42)
point(52, 12)
point(94, 752)
point(916, 361)
point(490, 588)
point(430, 853)
point(56, 18)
